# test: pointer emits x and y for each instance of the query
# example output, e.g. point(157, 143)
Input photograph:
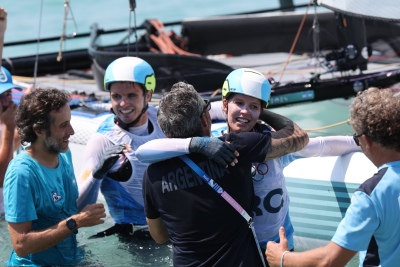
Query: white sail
point(388, 10)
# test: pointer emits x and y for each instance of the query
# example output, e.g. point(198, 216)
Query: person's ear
point(148, 95)
point(38, 131)
point(225, 106)
point(367, 141)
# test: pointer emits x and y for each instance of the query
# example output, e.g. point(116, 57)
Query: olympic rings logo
point(258, 171)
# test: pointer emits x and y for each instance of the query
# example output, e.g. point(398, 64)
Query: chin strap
point(126, 126)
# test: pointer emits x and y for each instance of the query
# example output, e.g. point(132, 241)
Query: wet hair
point(33, 112)
point(179, 112)
point(376, 113)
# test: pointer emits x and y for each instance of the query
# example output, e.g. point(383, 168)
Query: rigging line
point(37, 46)
point(132, 7)
point(327, 126)
point(295, 40)
point(64, 36)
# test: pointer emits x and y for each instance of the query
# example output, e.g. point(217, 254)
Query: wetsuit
point(124, 199)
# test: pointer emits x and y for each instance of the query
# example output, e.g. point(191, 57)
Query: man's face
point(56, 140)
point(127, 101)
point(6, 99)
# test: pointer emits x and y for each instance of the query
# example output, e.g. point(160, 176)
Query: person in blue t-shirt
point(40, 190)
point(371, 225)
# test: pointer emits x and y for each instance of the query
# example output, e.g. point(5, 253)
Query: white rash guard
point(124, 199)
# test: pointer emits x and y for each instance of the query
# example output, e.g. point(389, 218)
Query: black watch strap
point(71, 224)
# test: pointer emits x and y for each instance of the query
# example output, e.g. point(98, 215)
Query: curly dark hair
point(33, 112)
point(376, 113)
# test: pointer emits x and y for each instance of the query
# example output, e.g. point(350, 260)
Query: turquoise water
point(111, 251)
point(25, 22)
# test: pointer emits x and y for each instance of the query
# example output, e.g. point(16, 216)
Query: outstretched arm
point(328, 146)
point(288, 138)
point(330, 255)
point(26, 241)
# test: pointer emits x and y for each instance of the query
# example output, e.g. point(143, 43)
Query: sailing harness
point(217, 188)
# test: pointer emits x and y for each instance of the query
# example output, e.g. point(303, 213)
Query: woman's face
point(242, 112)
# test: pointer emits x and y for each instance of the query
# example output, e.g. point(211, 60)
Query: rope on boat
point(48, 79)
point(327, 126)
point(37, 46)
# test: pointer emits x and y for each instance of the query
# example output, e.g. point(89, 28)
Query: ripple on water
point(108, 251)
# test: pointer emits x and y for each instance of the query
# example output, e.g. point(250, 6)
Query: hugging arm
point(165, 148)
point(288, 138)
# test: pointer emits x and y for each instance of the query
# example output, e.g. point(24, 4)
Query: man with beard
point(40, 189)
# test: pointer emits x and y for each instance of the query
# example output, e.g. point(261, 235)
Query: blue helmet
point(247, 82)
point(6, 82)
point(130, 69)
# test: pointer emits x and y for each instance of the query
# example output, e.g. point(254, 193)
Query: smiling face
point(128, 101)
point(6, 99)
point(242, 112)
point(56, 140)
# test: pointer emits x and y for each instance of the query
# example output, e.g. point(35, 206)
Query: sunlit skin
point(57, 140)
point(51, 142)
point(127, 101)
point(242, 112)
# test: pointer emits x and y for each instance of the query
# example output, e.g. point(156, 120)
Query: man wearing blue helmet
point(109, 159)
point(245, 95)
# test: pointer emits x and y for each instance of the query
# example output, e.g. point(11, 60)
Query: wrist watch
point(71, 224)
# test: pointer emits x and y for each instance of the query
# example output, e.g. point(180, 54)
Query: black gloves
point(214, 148)
point(111, 155)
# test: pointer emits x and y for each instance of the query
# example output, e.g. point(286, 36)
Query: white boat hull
point(320, 188)
point(320, 191)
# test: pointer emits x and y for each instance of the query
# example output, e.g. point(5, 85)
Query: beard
point(55, 145)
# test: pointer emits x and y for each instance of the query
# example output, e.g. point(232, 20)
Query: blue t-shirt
point(44, 196)
point(372, 221)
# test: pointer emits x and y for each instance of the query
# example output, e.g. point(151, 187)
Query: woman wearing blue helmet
point(109, 159)
point(245, 95)
point(244, 92)
point(248, 91)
